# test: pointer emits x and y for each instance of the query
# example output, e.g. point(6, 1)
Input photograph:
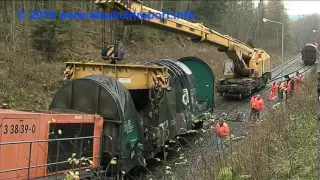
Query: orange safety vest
point(223, 130)
point(258, 104)
point(273, 91)
point(289, 86)
point(297, 81)
point(252, 100)
point(282, 87)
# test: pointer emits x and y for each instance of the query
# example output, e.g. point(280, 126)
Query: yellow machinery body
point(130, 76)
point(260, 63)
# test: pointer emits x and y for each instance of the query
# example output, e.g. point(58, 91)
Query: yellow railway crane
point(247, 70)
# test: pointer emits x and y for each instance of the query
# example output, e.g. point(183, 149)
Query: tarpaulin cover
point(185, 93)
point(191, 85)
point(178, 103)
point(205, 81)
point(103, 95)
point(168, 106)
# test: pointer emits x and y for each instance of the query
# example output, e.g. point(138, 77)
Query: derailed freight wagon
point(143, 105)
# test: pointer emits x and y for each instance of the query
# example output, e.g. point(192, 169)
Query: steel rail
point(295, 58)
point(284, 69)
point(292, 72)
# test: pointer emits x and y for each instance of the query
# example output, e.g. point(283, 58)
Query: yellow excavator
point(246, 70)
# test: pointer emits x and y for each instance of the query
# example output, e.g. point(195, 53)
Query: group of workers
point(257, 104)
point(285, 88)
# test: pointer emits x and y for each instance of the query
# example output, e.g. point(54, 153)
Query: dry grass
point(26, 81)
point(284, 146)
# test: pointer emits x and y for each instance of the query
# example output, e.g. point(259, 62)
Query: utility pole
point(268, 20)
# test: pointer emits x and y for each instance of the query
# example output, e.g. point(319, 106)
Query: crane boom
point(196, 31)
point(240, 53)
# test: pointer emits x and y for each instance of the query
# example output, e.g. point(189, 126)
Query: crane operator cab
point(228, 68)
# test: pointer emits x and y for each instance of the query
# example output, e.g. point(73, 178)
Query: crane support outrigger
point(247, 70)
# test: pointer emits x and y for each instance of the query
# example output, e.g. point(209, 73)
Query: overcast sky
point(300, 7)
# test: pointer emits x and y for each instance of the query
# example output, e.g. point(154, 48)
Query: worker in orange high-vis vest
point(290, 87)
point(258, 105)
point(222, 133)
point(296, 82)
point(298, 79)
point(273, 91)
point(252, 100)
point(281, 90)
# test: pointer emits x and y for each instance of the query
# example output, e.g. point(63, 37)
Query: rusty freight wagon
point(38, 145)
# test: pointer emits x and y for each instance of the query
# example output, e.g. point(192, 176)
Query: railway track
point(292, 60)
point(284, 68)
point(303, 69)
point(290, 68)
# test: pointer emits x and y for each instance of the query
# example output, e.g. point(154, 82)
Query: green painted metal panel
point(204, 78)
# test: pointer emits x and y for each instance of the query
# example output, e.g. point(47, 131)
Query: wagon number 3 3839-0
point(18, 128)
point(15, 129)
